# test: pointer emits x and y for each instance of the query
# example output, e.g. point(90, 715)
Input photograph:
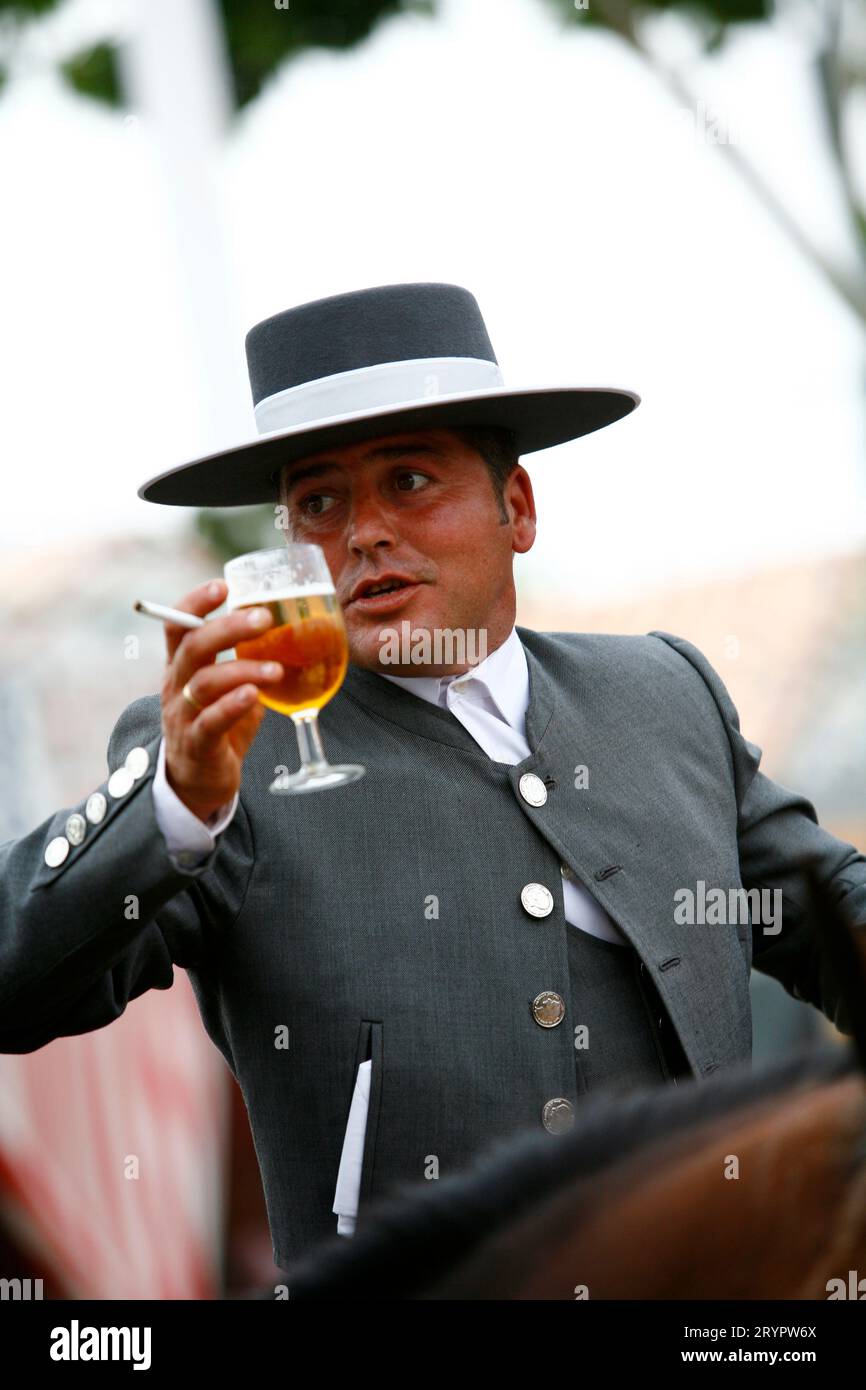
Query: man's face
point(419, 508)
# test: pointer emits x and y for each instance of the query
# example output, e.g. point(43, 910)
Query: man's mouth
point(379, 595)
point(385, 588)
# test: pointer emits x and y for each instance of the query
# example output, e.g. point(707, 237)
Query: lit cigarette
point(167, 615)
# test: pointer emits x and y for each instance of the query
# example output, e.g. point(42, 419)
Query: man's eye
point(405, 479)
point(315, 503)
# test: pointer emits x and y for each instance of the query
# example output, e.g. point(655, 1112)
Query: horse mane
point(416, 1234)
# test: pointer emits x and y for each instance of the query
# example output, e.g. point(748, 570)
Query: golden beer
point(308, 637)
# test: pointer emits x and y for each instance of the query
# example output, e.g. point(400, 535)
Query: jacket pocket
point(672, 1059)
point(370, 1049)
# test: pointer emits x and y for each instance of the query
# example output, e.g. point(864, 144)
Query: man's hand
point(204, 749)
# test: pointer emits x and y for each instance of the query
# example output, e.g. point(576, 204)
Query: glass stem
point(310, 740)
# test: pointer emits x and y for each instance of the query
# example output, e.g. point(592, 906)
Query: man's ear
point(520, 506)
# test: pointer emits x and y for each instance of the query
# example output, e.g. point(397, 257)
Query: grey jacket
point(384, 920)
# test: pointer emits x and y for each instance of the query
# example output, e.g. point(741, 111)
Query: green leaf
point(259, 37)
point(27, 9)
point(95, 74)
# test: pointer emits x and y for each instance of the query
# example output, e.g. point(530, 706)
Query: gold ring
point(188, 695)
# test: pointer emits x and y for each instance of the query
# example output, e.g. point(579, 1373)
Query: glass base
point(317, 779)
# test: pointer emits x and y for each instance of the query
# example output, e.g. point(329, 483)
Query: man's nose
point(370, 527)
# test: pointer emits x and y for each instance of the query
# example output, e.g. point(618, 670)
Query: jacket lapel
point(629, 839)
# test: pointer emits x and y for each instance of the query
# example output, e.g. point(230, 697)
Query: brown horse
point(749, 1185)
point(763, 1202)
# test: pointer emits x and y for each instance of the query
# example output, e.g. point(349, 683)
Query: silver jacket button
point(557, 1115)
point(537, 899)
point(95, 808)
point(56, 851)
point(137, 761)
point(120, 782)
point(548, 1008)
point(76, 828)
point(532, 789)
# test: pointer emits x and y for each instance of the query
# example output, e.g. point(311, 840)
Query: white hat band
point(374, 388)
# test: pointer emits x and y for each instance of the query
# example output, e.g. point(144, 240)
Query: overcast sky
point(606, 240)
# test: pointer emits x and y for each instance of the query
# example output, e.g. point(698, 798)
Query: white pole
point(176, 77)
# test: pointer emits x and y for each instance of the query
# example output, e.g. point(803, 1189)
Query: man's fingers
point(200, 601)
point(201, 646)
point(244, 732)
point(217, 719)
point(210, 683)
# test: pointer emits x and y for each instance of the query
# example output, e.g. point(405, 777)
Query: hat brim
point(248, 473)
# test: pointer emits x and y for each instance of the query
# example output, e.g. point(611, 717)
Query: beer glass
point(308, 637)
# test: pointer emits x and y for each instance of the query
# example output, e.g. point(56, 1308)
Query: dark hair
point(498, 448)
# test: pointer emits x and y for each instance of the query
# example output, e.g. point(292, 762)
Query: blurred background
point(665, 197)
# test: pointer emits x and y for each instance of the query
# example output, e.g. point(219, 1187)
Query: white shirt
point(490, 701)
point(188, 839)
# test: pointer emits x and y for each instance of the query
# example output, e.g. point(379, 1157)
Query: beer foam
point(277, 595)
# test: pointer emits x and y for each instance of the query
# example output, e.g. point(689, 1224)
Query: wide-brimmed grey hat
point(376, 362)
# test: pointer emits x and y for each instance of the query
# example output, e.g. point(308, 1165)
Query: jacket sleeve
point(80, 939)
point(779, 839)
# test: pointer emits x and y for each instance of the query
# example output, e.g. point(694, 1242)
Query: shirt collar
point(503, 674)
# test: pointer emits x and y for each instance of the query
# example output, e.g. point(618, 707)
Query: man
point(534, 890)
